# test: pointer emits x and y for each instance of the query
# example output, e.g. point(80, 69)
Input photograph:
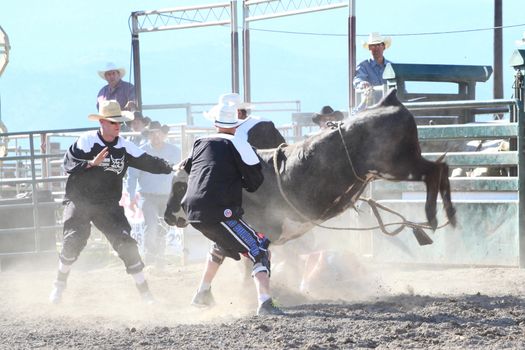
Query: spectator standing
point(96, 164)
point(370, 72)
point(154, 191)
point(116, 88)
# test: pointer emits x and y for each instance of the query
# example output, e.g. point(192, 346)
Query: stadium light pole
point(498, 50)
point(351, 54)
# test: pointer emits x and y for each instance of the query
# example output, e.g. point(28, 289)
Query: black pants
point(109, 218)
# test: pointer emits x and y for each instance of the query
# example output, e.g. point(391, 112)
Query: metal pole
point(246, 55)
point(189, 115)
point(514, 116)
point(234, 47)
point(521, 171)
point(351, 53)
point(498, 50)
point(34, 188)
point(136, 60)
point(518, 82)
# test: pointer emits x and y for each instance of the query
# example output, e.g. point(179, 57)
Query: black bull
point(322, 180)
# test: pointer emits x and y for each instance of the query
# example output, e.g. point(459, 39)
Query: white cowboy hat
point(110, 110)
point(234, 98)
point(109, 67)
point(376, 38)
point(521, 42)
point(224, 116)
point(231, 100)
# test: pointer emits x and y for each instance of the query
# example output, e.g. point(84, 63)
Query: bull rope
point(374, 205)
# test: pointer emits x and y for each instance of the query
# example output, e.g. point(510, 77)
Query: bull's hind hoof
point(433, 223)
point(451, 215)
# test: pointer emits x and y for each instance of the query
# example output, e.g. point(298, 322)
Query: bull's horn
point(440, 159)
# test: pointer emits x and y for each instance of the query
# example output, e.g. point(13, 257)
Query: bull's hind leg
point(430, 173)
point(435, 176)
point(444, 189)
point(420, 169)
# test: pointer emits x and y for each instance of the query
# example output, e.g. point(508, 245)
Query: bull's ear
point(390, 99)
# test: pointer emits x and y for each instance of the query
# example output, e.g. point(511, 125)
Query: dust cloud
point(357, 295)
point(365, 304)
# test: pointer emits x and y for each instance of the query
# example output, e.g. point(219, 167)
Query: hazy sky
point(58, 46)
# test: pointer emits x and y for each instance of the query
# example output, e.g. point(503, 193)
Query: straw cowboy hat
point(376, 38)
point(156, 126)
point(109, 67)
point(110, 110)
point(329, 112)
point(521, 42)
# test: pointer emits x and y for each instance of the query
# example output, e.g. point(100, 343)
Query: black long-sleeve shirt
point(103, 183)
point(219, 167)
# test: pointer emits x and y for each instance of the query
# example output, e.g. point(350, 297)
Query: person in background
point(327, 114)
point(138, 124)
point(154, 191)
point(96, 164)
point(370, 72)
point(116, 88)
point(219, 167)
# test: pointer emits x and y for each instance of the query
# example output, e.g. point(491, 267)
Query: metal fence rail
point(42, 169)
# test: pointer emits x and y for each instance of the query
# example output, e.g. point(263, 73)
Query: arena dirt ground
point(375, 306)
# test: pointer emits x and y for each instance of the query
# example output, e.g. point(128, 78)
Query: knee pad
point(128, 252)
point(71, 248)
point(216, 254)
point(262, 264)
point(67, 260)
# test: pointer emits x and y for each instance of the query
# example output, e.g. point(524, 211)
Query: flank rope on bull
point(417, 228)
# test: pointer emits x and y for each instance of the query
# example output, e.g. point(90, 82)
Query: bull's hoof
point(170, 219)
point(451, 215)
point(181, 222)
point(433, 223)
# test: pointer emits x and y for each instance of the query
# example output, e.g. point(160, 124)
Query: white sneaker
point(148, 298)
point(268, 308)
point(56, 293)
point(145, 293)
point(203, 299)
